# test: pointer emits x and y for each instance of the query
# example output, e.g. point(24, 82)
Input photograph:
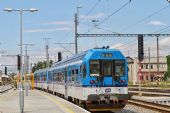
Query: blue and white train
point(96, 79)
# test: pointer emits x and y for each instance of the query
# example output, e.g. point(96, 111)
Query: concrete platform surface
point(37, 102)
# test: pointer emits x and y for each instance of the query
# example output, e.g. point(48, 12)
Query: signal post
point(140, 58)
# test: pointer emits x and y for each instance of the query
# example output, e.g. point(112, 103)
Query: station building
point(133, 66)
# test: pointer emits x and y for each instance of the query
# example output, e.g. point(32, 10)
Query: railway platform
point(36, 102)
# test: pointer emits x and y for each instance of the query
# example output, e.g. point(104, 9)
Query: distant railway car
point(29, 80)
point(4, 80)
point(96, 79)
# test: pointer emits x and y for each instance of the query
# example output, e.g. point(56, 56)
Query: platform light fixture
point(21, 85)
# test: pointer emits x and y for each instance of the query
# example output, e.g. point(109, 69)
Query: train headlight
point(122, 81)
point(92, 81)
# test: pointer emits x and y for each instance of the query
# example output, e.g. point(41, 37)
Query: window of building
point(142, 77)
point(147, 77)
point(147, 66)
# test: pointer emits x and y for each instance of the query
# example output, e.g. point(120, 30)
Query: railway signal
point(140, 47)
point(59, 56)
point(140, 58)
point(5, 70)
point(18, 62)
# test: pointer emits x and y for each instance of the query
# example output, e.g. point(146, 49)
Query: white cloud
point(64, 23)
point(117, 46)
point(95, 16)
point(165, 42)
point(156, 23)
point(48, 30)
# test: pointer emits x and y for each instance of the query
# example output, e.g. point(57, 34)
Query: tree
point(51, 63)
point(41, 65)
point(167, 74)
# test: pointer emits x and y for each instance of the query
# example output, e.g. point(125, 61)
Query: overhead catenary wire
point(65, 48)
point(108, 5)
point(109, 16)
point(158, 31)
point(95, 5)
point(140, 21)
point(156, 12)
point(101, 28)
point(146, 18)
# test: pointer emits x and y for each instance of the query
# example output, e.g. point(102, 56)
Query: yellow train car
point(29, 80)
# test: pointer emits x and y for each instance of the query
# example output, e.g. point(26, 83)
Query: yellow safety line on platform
point(57, 102)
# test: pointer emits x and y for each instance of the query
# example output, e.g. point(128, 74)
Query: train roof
point(80, 56)
point(77, 57)
point(5, 76)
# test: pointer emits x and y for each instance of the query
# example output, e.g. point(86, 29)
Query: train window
point(84, 71)
point(119, 67)
point(38, 78)
point(107, 67)
point(76, 74)
point(55, 77)
point(58, 77)
point(44, 77)
point(81, 69)
point(94, 68)
point(76, 71)
point(61, 76)
point(72, 75)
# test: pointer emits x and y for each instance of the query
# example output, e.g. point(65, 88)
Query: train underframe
point(94, 102)
point(107, 102)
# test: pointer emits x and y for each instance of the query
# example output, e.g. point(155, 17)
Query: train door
point(52, 73)
point(66, 83)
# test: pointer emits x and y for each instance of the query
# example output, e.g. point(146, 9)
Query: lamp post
point(46, 48)
point(21, 92)
point(76, 30)
point(95, 25)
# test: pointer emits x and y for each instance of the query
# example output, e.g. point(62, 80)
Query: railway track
point(150, 92)
point(147, 89)
point(152, 106)
point(5, 88)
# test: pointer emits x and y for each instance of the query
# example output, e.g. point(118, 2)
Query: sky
point(55, 20)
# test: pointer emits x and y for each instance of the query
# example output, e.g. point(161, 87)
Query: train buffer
point(37, 102)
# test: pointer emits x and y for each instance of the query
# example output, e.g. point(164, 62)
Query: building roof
point(129, 60)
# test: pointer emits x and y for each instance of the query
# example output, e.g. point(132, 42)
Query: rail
point(5, 88)
point(152, 106)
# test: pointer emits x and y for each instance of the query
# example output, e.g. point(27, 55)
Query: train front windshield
point(107, 67)
point(94, 68)
point(119, 68)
